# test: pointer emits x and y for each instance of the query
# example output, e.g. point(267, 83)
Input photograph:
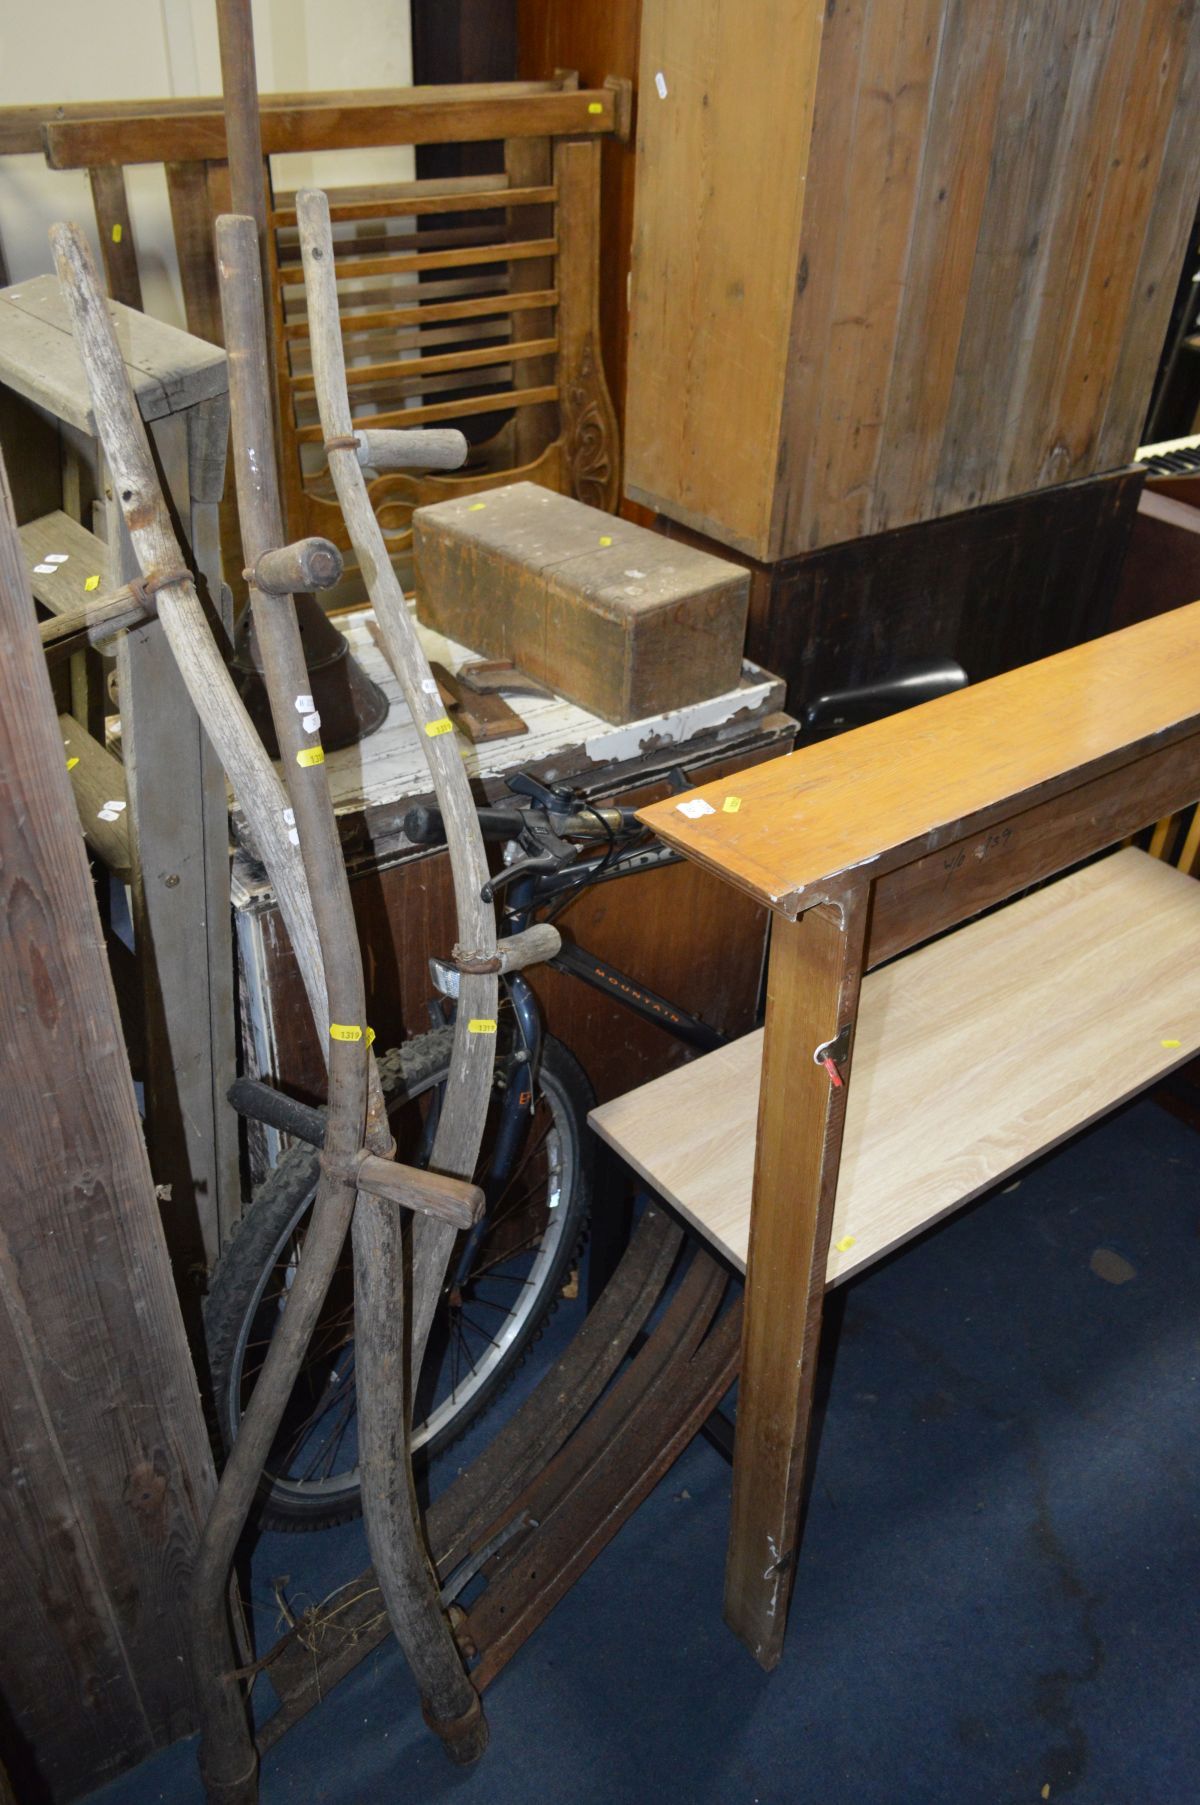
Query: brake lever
point(520, 783)
point(538, 865)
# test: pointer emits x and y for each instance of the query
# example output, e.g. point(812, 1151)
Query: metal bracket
point(837, 1049)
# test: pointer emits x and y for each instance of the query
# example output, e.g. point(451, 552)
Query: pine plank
point(63, 561)
point(105, 1471)
point(715, 253)
point(946, 1098)
point(101, 797)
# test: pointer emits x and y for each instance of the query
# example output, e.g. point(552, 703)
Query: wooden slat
point(415, 368)
point(379, 319)
point(192, 223)
point(349, 268)
point(355, 192)
point(528, 162)
point(444, 410)
point(402, 205)
point(79, 559)
point(168, 369)
point(1083, 159)
point(111, 204)
point(362, 120)
point(881, 177)
point(98, 780)
point(944, 1100)
point(954, 186)
point(105, 1471)
point(407, 338)
point(739, 102)
point(382, 242)
point(871, 800)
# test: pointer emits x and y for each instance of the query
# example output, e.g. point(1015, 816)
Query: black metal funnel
point(351, 704)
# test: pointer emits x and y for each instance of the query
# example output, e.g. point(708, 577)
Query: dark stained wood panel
point(994, 587)
point(993, 201)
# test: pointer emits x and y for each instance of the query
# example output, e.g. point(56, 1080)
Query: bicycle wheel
point(502, 1282)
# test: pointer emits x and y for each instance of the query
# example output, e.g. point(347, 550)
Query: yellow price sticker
point(594, 106)
point(72, 762)
point(116, 234)
point(606, 539)
point(731, 805)
point(845, 1244)
point(481, 1024)
point(92, 583)
point(434, 729)
point(477, 507)
point(310, 755)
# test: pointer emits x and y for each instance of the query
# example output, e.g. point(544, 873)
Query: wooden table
point(970, 1055)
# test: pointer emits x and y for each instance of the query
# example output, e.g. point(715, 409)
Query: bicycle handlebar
point(425, 826)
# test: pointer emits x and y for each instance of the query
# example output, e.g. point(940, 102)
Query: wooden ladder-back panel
point(954, 286)
point(489, 322)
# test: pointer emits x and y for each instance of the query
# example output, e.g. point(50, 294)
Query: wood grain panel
point(994, 204)
point(715, 253)
point(875, 798)
point(105, 1472)
point(943, 1100)
point(882, 176)
point(598, 41)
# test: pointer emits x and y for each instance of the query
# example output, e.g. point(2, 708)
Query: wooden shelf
point(973, 1055)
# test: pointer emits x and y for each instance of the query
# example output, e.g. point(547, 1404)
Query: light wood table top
point(973, 1055)
point(848, 809)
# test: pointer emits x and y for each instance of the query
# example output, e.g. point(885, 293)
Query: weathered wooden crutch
point(390, 1508)
point(456, 1146)
point(228, 1754)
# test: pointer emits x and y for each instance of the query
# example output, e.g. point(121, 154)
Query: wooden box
point(619, 620)
point(892, 261)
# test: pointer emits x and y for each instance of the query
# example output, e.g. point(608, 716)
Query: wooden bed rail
point(88, 127)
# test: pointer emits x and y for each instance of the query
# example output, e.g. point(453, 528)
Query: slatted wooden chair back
point(467, 301)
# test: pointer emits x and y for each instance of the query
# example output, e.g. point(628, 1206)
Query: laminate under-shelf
point(972, 1055)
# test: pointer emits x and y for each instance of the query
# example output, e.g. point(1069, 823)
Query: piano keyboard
point(1173, 457)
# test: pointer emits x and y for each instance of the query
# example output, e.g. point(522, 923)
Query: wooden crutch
point(228, 1759)
point(390, 1510)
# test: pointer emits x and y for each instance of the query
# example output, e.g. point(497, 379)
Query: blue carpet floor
point(996, 1598)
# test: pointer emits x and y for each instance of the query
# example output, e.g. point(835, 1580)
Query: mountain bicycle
point(536, 1162)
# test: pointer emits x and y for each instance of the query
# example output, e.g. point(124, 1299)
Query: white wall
point(71, 50)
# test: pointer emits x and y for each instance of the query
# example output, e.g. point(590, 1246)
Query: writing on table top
point(860, 801)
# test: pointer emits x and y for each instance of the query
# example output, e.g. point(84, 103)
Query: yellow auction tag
point(72, 762)
point(92, 583)
point(435, 728)
point(594, 106)
point(344, 1031)
point(310, 755)
point(116, 234)
point(731, 805)
point(481, 1024)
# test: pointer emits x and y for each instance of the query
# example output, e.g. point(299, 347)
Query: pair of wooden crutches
point(361, 1187)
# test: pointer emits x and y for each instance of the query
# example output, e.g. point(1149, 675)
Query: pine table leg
point(812, 992)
